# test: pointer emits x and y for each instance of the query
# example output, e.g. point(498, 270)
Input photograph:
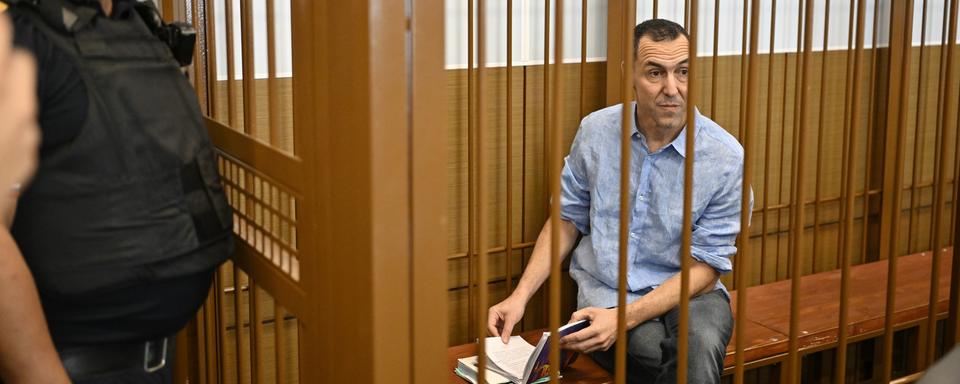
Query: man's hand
point(502, 317)
point(599, 336)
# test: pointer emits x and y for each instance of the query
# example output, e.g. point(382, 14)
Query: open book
point(518, 361)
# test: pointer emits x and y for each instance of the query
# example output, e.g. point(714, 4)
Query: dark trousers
point(128, 372)
point(652, 346)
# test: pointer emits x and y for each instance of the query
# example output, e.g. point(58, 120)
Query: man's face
point(660, 83)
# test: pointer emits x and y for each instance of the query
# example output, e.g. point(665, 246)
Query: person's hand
point(19, 136)
point(599, 336)
point(502, 317)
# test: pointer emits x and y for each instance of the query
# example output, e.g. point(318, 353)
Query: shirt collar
point(680, 143)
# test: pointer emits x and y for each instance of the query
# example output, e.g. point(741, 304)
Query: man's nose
point(670, 85)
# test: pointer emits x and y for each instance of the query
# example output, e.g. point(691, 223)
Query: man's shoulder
point(602, 122)
point(718, 141)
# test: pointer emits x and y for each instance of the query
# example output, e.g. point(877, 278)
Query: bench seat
point(768, 317)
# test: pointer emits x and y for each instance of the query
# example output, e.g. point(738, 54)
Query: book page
point(511, 357)
point(467, 368)
point(539, 366)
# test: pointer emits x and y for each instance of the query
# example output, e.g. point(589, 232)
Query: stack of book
point(517, 361)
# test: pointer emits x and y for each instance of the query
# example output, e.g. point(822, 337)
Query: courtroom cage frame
point(390, 184)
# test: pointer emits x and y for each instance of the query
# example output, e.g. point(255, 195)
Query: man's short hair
point(657, 30)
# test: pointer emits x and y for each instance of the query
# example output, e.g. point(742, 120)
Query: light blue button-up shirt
point(590, 199)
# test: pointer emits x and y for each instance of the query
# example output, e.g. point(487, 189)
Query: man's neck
point(657, 137)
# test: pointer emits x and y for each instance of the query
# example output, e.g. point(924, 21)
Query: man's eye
point(654, 73)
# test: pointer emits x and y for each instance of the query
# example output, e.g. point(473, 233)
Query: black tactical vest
point(136, 196)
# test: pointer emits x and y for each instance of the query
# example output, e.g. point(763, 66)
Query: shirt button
point(634, 235)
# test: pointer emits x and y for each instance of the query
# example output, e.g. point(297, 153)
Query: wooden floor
point(768, 313)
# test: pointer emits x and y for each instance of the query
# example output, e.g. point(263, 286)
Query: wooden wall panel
point(285, 109)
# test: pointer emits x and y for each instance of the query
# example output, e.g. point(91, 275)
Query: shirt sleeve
point(575, 185)
point(715, 232)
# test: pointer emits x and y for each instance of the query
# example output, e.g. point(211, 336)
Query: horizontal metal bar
point(279, 284)
point(268, 162)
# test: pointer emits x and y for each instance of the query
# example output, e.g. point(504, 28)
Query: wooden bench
point(768, 317)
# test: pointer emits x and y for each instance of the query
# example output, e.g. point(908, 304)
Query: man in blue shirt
point(590, 206)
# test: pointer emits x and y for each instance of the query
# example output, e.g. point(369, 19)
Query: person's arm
point(506, 314)
point(27, 354)
point(602, 331)
point(574, 220)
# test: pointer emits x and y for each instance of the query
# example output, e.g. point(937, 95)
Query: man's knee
point(708, 342)
point(644, 343)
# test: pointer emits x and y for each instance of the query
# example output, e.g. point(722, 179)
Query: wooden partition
point(330, 143)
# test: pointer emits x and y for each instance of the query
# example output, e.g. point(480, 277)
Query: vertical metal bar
point(783, 139)
point(940, 105)
point(211, 334)
point(523, 167)
point(509, 152)
point(471, 183)
point(941, 99)
point(555, 164)
point(742, 259)
point(280, 342)
point(819, 174)
point(796, 122)
point(199, 69)
point(798, 202)
point(766, 146)
point(956, 178)
point(843, 333)
point(953, 320)
point(546, 103)
point(868, 167)
point(247, 57)
point(583, 56)
point(713, 66)
point(938, 196)
point(687, 231)
point(256, 335)
point(238, 324)
point(615, 57)
point(918, 134)
point(222, 325)
point(231, 70)
point(742, 117)
point(482, 190)
point(686, 14)
point(273, 92)
point(210, 33)
point(845, 169)
point(626, 131)
point(901, 95)
point(656, 11)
